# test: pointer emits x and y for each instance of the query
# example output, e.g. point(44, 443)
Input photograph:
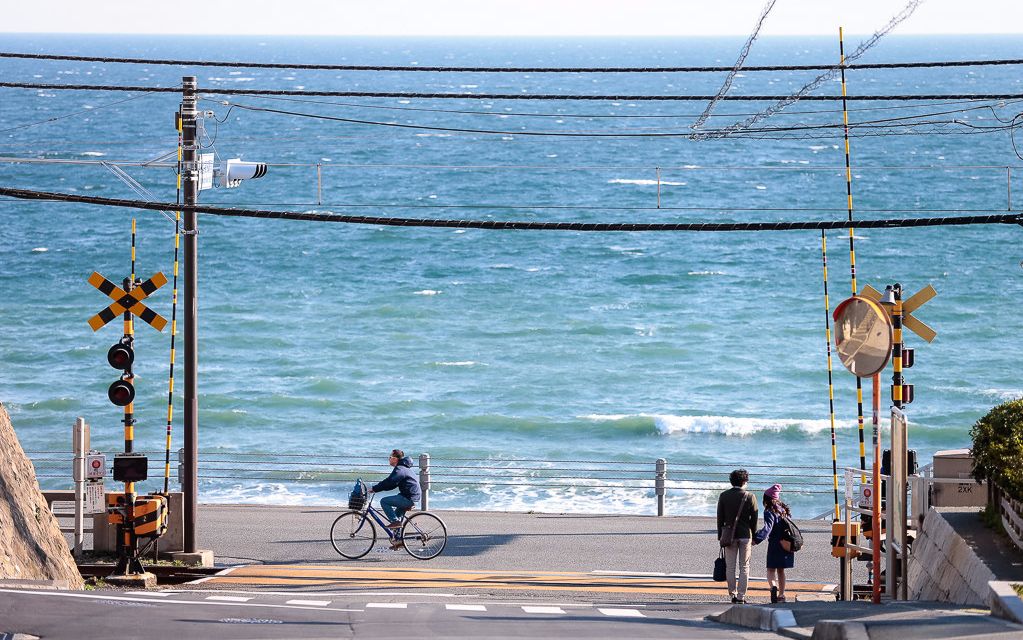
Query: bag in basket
point(357, 498)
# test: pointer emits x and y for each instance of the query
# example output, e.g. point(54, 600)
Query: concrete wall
point(944, 568)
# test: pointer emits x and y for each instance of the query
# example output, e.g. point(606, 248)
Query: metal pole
point(80, 442)
point(190, 183)
point(424, 480)
point(897, 481)
point(660, 474)
point(876, 523)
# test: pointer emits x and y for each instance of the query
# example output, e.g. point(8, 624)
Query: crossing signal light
point(121, 356)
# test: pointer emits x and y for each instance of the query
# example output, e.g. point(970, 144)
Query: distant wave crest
point(724, 425)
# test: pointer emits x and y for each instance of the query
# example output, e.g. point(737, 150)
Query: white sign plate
point(866, 496)
point(94, 500)
point(205, 171)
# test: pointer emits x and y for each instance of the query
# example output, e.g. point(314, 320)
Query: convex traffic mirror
point(863, 336)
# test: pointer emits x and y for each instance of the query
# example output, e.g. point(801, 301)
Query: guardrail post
point(660, 474)
point(424, 480)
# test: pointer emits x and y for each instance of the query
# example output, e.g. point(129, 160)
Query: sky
point(507, 17)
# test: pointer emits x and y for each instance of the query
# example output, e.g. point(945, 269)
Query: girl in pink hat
point(778, 559)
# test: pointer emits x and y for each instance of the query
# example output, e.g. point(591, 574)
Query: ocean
point(497, 349)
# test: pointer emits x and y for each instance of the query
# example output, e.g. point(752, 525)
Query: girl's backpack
point(791, 536)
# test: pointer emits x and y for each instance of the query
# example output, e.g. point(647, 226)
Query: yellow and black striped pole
point(852, 248)
point(133, 251)
point(831, 386)
point(128, 544)
point(174, 326)
point(897, 382)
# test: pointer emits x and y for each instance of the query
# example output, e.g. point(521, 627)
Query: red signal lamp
point(121, 356)
point(121, 393)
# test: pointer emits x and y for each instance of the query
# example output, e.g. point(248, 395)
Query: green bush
point(998, 447)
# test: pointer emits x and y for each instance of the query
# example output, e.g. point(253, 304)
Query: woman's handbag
point(719, 567)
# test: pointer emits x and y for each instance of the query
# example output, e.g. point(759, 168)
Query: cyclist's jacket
point(402, 477)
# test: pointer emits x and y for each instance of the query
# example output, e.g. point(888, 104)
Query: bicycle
point(353, 533)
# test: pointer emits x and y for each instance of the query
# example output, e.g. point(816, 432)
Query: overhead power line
point(508, 96)
point(425, 68)
point(1002, 218)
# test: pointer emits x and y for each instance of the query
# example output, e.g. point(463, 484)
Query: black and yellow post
point(831, 386)
point(128, 563)
point(898, 398)
point(852, 244)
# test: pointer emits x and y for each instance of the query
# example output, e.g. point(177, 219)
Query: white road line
point(309, 603)
point(154, 594)
point(465, 607)
point(558, 610)
point(386, 605)
point(624, 613)
point(219, 573)
point(90, 596)
point(228, 598)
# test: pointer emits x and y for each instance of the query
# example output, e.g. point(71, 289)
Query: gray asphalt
point(480, 540)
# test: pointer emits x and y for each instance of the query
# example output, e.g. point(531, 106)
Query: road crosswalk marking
point(624, 613)
point(555, 610)
point(465, 607)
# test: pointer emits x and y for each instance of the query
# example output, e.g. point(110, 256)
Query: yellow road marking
point(321, 575)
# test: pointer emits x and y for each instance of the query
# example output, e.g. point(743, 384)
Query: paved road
point(177, 614)
point(590, 547)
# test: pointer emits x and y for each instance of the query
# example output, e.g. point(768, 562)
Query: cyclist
point(404, 479)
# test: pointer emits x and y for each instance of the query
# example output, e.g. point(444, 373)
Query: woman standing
point(778, 559)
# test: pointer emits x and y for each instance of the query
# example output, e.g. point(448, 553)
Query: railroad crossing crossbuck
point(130, 301)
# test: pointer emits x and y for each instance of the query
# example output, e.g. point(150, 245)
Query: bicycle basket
point(357, 498)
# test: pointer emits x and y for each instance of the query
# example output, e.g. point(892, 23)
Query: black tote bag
point(719, 567)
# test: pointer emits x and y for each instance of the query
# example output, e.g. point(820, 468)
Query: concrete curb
point(755, 617)
point(1005, 602)
point(839, 630)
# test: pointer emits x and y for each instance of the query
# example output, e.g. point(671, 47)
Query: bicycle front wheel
point(353, 535)
point(425, 536)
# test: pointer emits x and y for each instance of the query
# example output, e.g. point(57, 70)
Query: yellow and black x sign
point(909, 305)
point(130, 301)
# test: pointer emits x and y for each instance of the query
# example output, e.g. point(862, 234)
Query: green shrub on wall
point(998, 447)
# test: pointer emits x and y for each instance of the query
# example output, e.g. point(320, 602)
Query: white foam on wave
point(593, 498)
point(427, 292)
point(459, 363)
point(1003, 394)
point(645, 182)
point(724, 425)
point(269, 493)
point(92, 153)
point(706, 273)
point(40, 250)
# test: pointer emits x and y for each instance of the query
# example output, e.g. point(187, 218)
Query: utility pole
point(190, 187)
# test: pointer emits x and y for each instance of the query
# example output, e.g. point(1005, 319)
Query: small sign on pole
point(94, 501)
point(205, 171)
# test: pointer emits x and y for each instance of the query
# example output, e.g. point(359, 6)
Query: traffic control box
point(149, 517)
point(838, 539)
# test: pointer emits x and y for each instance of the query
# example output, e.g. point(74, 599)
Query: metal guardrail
point(658, 477)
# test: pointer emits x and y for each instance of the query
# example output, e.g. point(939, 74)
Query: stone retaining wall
point(944, 567)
